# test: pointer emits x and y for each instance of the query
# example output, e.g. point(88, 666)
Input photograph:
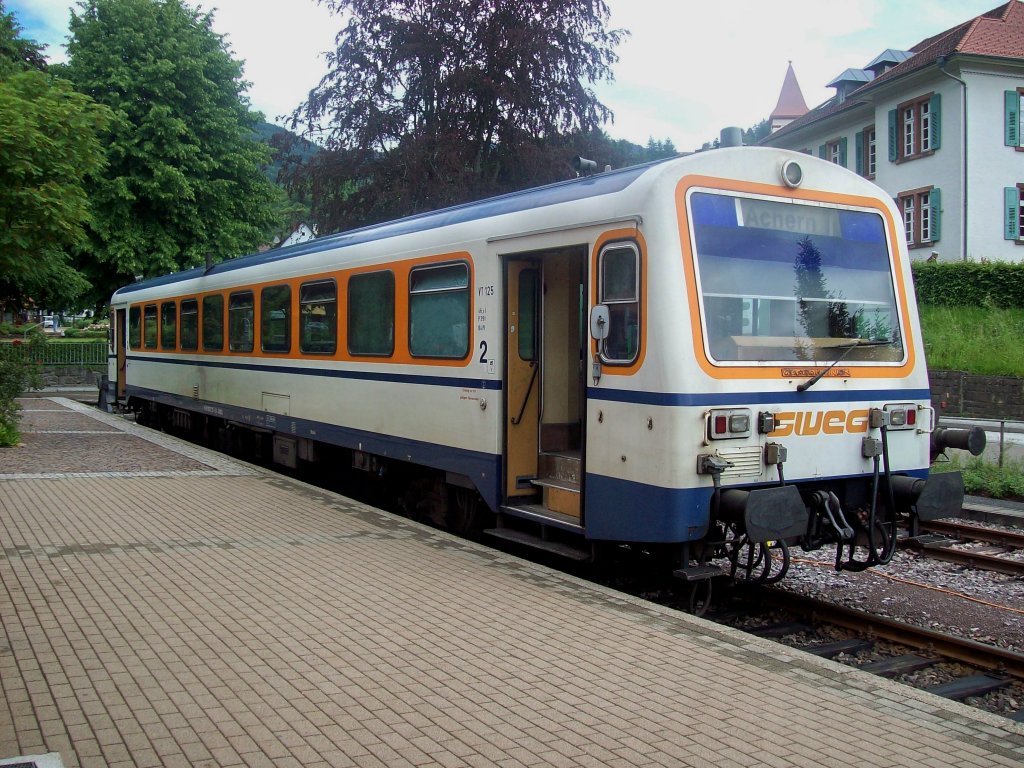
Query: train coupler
point(830, 511)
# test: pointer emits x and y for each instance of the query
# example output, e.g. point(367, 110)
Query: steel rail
point(981, 655)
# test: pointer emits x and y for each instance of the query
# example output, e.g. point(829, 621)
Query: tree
point(48, 151)
point(16, 52)
point(183, 177)
point(429, 104)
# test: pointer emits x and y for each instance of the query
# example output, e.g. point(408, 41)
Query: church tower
point(791, 102)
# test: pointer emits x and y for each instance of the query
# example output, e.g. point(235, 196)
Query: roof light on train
point(792, 174)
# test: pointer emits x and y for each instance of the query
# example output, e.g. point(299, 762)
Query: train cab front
point(819, 428)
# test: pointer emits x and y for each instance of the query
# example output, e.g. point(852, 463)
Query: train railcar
point(713, 357)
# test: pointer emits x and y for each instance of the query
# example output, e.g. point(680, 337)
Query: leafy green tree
point(48, 151)
point(16, 52)
point(183, 177)
point(428, 104)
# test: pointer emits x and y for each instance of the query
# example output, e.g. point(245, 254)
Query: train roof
point(596, 185)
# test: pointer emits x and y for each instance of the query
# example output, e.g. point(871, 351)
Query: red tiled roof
point(999, 32)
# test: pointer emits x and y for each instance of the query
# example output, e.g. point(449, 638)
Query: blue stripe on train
point(756, 398)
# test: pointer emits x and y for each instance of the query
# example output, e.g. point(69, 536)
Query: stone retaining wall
point(955, 393)
point(72, 376)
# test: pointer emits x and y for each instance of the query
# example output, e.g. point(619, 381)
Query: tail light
point(729, 423)
point(901, 416)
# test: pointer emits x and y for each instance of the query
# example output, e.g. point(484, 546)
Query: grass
point(982, 478)
point(978, 340)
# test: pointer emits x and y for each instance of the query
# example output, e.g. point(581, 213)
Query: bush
point(969, 283)
point(17, 374)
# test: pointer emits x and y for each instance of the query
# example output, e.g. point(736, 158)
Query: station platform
point(163, 605)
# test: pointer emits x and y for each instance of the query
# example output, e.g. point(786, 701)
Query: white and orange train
point(712, 357)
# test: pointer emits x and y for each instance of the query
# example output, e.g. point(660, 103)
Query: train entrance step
point(529, 540)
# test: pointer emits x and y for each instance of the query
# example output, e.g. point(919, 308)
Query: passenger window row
point(439, 317)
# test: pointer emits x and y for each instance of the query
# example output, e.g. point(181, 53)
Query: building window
point(213, 323)
point(921, 209)
point(318, 317)
point(620, 292)
point(914, 128)
point(834, 151)
point(439, 311)
point(866, 155)
point(371, 314)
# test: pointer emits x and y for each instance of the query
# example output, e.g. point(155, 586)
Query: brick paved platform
point(174, 608)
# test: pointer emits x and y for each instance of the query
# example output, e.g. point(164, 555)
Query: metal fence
point(66, 354)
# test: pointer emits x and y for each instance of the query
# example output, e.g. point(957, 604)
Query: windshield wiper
point(846, 350)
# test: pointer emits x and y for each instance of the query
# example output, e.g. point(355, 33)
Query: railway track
point(987, 668)
point(940, 539)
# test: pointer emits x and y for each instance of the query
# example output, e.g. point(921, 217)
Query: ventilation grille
point(746, 462)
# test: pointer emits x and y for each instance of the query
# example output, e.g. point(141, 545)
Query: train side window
point(240, 321)
point(275, 318)
point(318, 317)
point(169, 325)
point(620, 292)
point(371, 314)
point(213, 323)
point(189, 324)
point(134, 327)
point(149, 326)
point(439, 311)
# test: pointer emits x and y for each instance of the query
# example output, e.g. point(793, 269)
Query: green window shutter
point(858, 152)
point(935, 113)
point(1011, 132)
point(1011, 213)
point(821, 151)
point(842, 151)
point(892, 136)
point(935, 204)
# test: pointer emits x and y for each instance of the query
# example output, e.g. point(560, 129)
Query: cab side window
point(619, 284)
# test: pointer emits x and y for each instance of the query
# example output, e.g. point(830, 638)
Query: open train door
point(544, 386)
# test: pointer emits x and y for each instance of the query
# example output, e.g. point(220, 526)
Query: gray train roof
point(539, 197)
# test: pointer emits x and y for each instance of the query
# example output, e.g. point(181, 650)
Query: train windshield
point(788, 281)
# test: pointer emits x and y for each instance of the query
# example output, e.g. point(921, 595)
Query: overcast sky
point(688, 70)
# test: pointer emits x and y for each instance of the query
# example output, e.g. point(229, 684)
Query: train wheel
point(463, 513)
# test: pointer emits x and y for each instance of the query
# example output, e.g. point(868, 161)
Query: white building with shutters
point(938, 128)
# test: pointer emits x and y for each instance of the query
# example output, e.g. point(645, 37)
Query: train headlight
point(729, 423)
point(900, 416)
